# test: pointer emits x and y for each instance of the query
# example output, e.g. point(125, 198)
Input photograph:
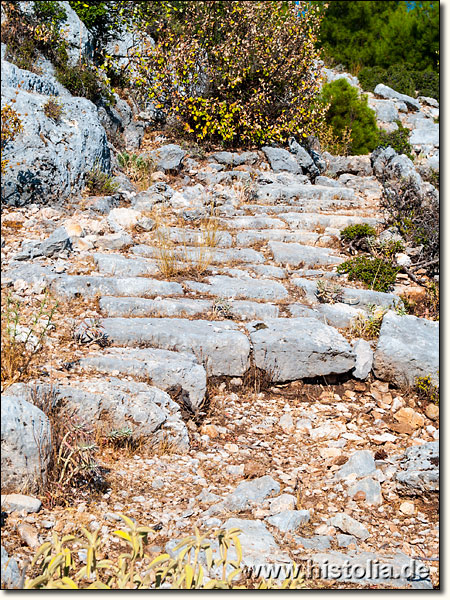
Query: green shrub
point(398, 140)
point(427, 84)
point(56, 564)
point(346, 109)
point(377, 273)
point(235, 72)
point(99, 183)
point(358, 231)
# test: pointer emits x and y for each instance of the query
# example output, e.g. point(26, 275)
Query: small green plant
point(346, 109)
point(53, 109)
point(398, 140)
point(137, 167)
point(358, 231)
point(56, 564)
point(368, 327)
point(426, 389)
point(378, 274)
point(99, 183)
point(23, 337)
point(329, 292)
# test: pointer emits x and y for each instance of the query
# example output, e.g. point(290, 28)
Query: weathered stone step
point(253, 271)
point(355, 206)
point(290, 349)
point(338, 315)
point(163, 368)
point(230, 287)
point(115, 404)
point(196, 237)
point(298, 255)
point(185, 307)
point(365, 298)
point(218, 345)
point(88, 286)
point(202, 254)
point(84, 286)
point(253, 223)
point(116, 264)
point(247, 238)
point(276, 191)
point(313, 220)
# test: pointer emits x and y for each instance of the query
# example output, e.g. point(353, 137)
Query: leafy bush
point(358, 231)
point(347, 110)
point(53, 109)
point(398, 140)
point(235, 72)
point(99, 183)
point(11, 127)
point(416, 215)
point(377, 273)
point(56, 564)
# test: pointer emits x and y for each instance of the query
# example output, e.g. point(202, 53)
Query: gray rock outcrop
point(49, 160)
point(25, 443)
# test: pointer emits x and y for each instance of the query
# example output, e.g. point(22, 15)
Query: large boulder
point(408, 348)
point(48, 160)
point(25, 443)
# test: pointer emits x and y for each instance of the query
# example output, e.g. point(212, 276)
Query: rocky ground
point(188, 312)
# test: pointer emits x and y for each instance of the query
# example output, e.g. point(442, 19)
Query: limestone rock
point(408, 347)
point(26, 443)
point(290, 349)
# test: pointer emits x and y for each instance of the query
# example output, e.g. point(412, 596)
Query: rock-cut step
point(218, 345)
point(89, 286)
point(356, 297)
point(311, 221)
point(201, 254)
point(163, 368)
point(185, 307)
point(232, 287)
point(291, 349)
point(296, 255)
